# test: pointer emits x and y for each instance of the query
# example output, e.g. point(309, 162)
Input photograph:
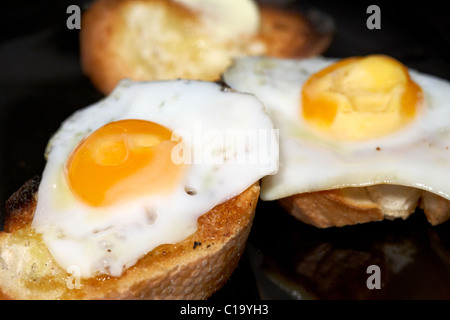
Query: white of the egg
point(417, 155)
point(108, 240)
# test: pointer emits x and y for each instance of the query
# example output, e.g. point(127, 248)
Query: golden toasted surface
point(160, 39)
point(194, 268)
point(349, 206)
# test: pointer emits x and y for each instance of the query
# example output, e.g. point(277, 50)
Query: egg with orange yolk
point(351, 122)
point(121, 160)
point(138, 168)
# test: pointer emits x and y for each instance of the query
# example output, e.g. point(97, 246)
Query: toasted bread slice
point(161, 39)
point(349, 206)
point(194, 268)
point(288, 34)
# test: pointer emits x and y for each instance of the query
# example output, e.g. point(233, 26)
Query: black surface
point(41, 84)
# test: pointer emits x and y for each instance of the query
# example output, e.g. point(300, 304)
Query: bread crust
point(20, 206)
point(96, 53)
point(329, 208)
point(289, 34)
point(194, 268)
point(350, 206)
point(105, 59)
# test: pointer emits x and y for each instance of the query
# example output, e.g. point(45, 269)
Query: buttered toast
point(194, 268)
point(163, 39)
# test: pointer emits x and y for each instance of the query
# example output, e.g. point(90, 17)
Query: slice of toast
point(161, 39)
point(349, 206)
point(194, 268)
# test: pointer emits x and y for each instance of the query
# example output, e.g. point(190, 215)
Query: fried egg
point(350, 123)
point(138, 168)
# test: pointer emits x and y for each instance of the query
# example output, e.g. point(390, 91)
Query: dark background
point(41, 84)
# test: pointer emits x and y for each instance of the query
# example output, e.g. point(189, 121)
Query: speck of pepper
point(378, 148)
point(196, 244)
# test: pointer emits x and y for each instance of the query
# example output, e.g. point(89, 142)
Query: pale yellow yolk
point(121, 160)
point(361, 98)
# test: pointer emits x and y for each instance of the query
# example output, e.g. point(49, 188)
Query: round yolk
point(360, 98)
point(122, 160)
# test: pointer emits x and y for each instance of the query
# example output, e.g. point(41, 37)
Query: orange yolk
point(360, 98)
point(121, 160)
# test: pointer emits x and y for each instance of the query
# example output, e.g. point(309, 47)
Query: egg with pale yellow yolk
point(351, 122)
point(360, 98)
point(138, 168)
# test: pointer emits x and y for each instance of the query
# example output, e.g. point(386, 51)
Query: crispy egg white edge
point(77, 234)
point(417, 155)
